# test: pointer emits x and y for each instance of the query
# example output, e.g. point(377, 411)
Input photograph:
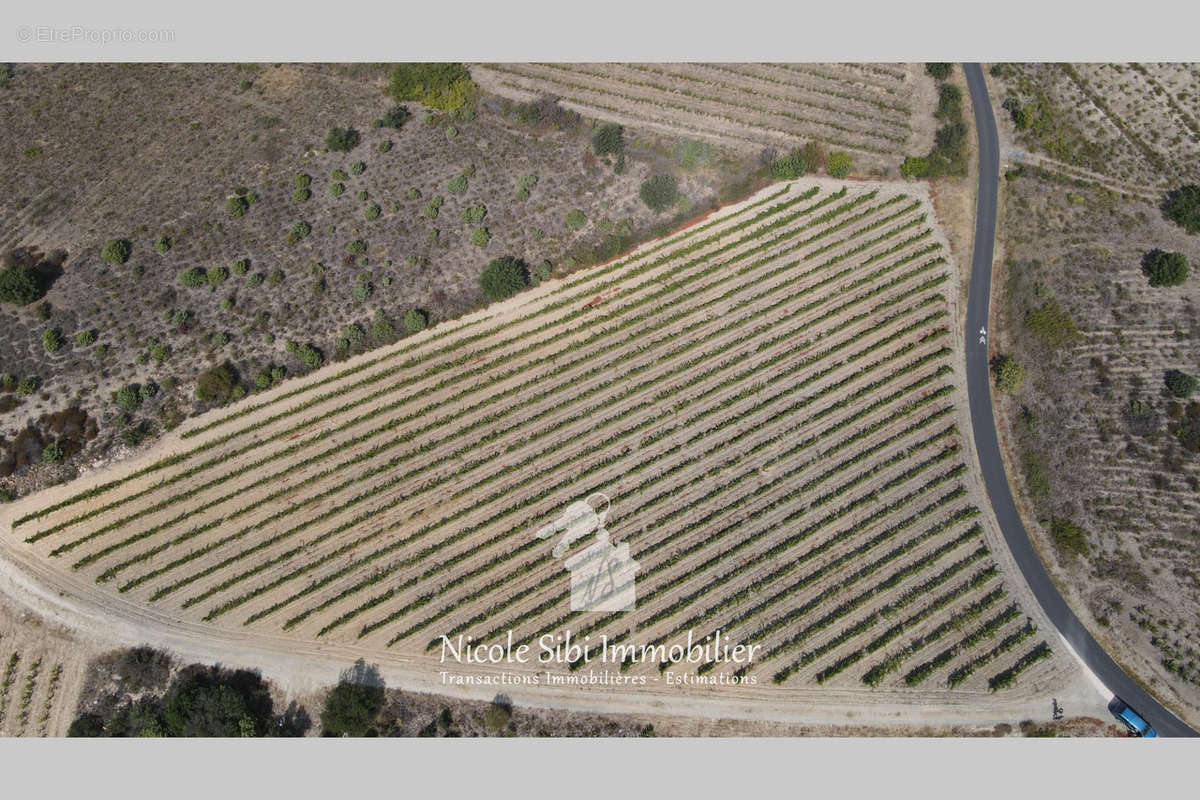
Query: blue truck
point(1134, 721)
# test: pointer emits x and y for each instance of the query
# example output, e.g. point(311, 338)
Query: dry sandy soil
point(1079, 217)
point(41, 669)
point(770, 398)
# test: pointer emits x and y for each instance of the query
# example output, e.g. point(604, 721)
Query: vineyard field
point(876, 111)
point(769, 397)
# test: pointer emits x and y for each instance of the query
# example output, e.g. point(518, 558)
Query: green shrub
point(384, 146)
point(1165, 269)
point(52, 340)
point(27, 386)
point(525, 185)
point(503, 277)
point(300, 230)
point(301, 195)
point(1182, 206)
point(116, 251)
point(85, 338)
point(339, 174)
point(457, 184)
point(362, 196)
point(53, 453)
point(341, 140)
point(163, 244)
point(128, 397)
point(237, 206)
point(791, 166)
point(839, 164)
point(1009, 373)
point(949, 106)
point(414, 193)
point(336, 189)
point(215, 385)
point(1180, 383)
point(356, 247)
point(914, 167)
point(438, 85)
point(372, 211)
point(474, 214)
point(1069, 538)
point(394, 117)
point(19, 285)
point(691, 153)
point(363, 291)
point(939, 70)
point(309, 356)
point(193, 277)
point(481, 236)
point(160, 353)
point(576, 219)
point(358, 168)
point(659, 192)
point(415, 320)
point(216, 276)
point(303, 180)
point(241, 266)
point(609, 139)
point(1052, 326)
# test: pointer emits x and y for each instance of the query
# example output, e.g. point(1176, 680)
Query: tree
point(352, 706)
point(609, 139)
point(1165, 269)
point(415, 320)
point(215, 385)
point(116, 251)
point(1180, 383)
point(19, 284)
point(503, 277)
point(1182, 206)
point(659, 192)
point(793, 165)
point(210, 701)
point(839, 164)
point(939, 70)
point(1009, 373)
point(341, 140)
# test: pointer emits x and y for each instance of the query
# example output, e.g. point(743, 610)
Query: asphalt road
point(986, 443)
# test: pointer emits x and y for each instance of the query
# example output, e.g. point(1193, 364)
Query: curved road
point(988, 447)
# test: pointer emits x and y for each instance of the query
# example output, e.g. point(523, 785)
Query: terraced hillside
point(769, 398)
point(864, 108)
